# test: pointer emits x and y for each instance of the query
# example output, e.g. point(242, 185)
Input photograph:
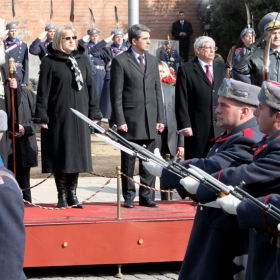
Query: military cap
point(93, 31)
point(50, 26)
point(247, 31)
point(117, 32)
point(167, 42)
point(12, 25)
point(242, 92)
point(3, 121)
point(270, 94)
point(268, 22)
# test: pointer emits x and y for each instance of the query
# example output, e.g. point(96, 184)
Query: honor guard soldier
point(170, 55)
point(88, 42)
point(211, 243)
point(116, 48)
point(247, 36)
point(19, 53)
point(40, 48)
point(261, 178)
point(250, 59)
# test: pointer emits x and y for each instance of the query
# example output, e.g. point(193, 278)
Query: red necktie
point(208, 73)
point(142, 65)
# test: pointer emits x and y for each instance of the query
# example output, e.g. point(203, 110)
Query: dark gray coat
point(66, 143)
point(196, 100)
point(174, 140)
point(136, 96)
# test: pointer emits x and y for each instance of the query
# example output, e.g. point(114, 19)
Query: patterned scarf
point(78, 75)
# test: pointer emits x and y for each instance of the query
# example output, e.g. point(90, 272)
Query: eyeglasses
point(68, 38)
point(209, 48)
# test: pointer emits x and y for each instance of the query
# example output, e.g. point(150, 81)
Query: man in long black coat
point(137, 107)
point(182, 31)
point(196, 99)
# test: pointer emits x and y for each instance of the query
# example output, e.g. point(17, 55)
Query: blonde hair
point(59, 34)
point(165, 68)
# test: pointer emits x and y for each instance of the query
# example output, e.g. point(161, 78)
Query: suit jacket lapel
point(132, 60)
point(197, 68)
point(217, 71)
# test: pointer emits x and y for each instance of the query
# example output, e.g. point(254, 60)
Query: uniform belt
point(101, 67)
point(18, 64)
point(212, 204)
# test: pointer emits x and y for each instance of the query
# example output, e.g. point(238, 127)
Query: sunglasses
point(68, 38)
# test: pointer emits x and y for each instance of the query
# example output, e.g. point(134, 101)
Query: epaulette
point(248, 132)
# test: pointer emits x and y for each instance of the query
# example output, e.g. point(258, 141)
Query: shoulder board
point(238, 49)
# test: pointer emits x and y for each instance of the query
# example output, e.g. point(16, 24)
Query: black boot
point(72, 182)
point(61, 183)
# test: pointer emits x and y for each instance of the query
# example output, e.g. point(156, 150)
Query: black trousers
point(184, 46)
point(128, 166)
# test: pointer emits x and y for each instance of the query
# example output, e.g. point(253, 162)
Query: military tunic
point(20, 55)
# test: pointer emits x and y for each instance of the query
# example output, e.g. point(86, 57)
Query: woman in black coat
point(66, 82)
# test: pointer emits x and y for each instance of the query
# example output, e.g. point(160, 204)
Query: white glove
point(229, 203)
point(278, 227)
point(43, 35)
point(86, 38)
point(189, 183)
point(152, 167)
point(109, 39)
point(172, 59)
point(125, 36)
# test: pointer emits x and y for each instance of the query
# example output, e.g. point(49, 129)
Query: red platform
point(94, 235)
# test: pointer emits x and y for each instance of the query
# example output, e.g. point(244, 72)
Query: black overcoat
point(136, 96)
point(66, 143)
point(195, 103)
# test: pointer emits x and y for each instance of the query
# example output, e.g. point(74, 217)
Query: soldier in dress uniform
point(40, 48)
point(115, 49)
point(261, 178)
point(88, 42)
point(19, 54)
point(215, 239)
point(170, 55)
point(247, 36)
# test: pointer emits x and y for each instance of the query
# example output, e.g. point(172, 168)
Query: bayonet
point(13, 9)
point(230, 60)
point(51, 11)
point(72, 13)
point(92, 17)
point(116, 16)
point(248, 16)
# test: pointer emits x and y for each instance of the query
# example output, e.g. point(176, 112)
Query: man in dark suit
point(137, 107)
point(196, 98)
point(182, 31)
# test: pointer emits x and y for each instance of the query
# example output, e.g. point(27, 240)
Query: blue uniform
point(20, 55)
point(99, 67)
point(39, 48)
point(166, 54)
point(12, 231)
point(251, 216)
point(216, 239)
point(261, 178)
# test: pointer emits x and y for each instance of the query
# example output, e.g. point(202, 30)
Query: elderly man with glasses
point(196, 98)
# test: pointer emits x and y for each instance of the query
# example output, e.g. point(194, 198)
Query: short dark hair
point(181, 12)
point(272, 111)
point(135, 31)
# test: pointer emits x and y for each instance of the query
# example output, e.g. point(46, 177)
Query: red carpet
point(107, 212)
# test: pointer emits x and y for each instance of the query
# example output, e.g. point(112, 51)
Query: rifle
point(113, 138)
point(145, 155)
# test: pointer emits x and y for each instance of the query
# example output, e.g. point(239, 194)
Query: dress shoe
point(128, 204)
point(148, 203)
